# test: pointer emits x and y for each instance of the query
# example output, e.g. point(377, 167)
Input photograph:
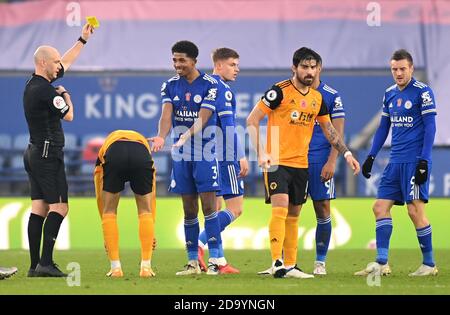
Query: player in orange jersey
point(125, 156)
point(292, 108)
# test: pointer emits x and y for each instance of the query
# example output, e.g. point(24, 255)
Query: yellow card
point(92, 20)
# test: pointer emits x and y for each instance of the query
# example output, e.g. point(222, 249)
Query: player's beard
point(307, 80)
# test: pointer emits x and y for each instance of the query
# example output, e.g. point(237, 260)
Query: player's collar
point(321, 85)
point(411, 82)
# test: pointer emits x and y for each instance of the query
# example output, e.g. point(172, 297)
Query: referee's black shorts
point(128, 161)
point(280, 179)
point(46, 174)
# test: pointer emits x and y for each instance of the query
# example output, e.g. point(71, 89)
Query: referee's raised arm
point(72, 54)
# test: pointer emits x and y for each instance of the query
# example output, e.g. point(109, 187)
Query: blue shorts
point(191, 177)
point(397, 183)
point(317, 189)
point(231, 185)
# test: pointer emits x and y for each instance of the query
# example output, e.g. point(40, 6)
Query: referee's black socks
point(34, 238)
point(51, 229)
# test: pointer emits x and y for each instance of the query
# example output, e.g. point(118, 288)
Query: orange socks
point(146, 234)
point(277, 231)
point(111, 235)
point(290, 241)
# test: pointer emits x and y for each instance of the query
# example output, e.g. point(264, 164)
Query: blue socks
point(424, 237)
point(212, 229)
point(383, 235)
point(323, 235)
point(191, 230)
point(225, 218)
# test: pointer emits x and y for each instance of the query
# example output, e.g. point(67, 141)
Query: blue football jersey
point(405, 110)
point(319, 147)
point(187, 99)
point(226, 122)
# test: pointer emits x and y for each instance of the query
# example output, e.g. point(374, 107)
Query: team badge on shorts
point(273, 185)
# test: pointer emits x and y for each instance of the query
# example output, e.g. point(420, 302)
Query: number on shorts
point(214, 168)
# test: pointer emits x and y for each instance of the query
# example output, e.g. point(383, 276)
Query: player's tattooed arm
point(333, 137)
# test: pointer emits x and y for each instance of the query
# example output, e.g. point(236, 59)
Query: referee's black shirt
point(44, 108)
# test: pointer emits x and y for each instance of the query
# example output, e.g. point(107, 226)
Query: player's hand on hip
point(421, 175)
point(367, 166)
point(87, 31)
point(264, 161)
point(327, 171)
point(244, 167)
point(157, 143)
point(353, 163)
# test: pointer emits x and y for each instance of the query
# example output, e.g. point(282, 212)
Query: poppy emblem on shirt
point(303, 104)
point(59, 102)
point(399, 102)
point(187, 97)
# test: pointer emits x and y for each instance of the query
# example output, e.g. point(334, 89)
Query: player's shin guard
point(383, 236)
point(212, 229)
point(146, 235)
point(191, 231)
point(290, 241)
point(111, 235)
point(277, 231)
point(323, 235)
point(35, 224)
point(51, 229)
point(424, 237)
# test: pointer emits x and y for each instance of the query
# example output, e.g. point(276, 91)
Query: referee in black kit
point(44, 107)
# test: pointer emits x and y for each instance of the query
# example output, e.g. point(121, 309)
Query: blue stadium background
point(115, 83)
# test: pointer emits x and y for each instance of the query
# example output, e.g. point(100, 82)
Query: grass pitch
point(341, 265)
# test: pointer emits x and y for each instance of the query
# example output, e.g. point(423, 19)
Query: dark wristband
point(65, 92)
point(82, 40)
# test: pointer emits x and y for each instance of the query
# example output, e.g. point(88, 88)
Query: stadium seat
point(16, 166)
point(161, 164)
point(86, 138)
point(71, 141)
point(87, 168)
point(5, 142)
point(5, 147)
point(20, 142)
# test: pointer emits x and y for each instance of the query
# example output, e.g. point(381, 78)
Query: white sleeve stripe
point(338, 115)
point(385, 114)
point(327, 88)
point(166, 100)
point(428, 111)
point(226, 112)
point(211, 107)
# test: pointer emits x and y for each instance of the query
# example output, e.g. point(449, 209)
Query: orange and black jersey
point(120, 135)
point(291, 117)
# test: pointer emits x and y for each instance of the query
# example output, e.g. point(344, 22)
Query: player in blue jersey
point(232, 161)
point(187, 97)
point(322, 164)
point(409, 108)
